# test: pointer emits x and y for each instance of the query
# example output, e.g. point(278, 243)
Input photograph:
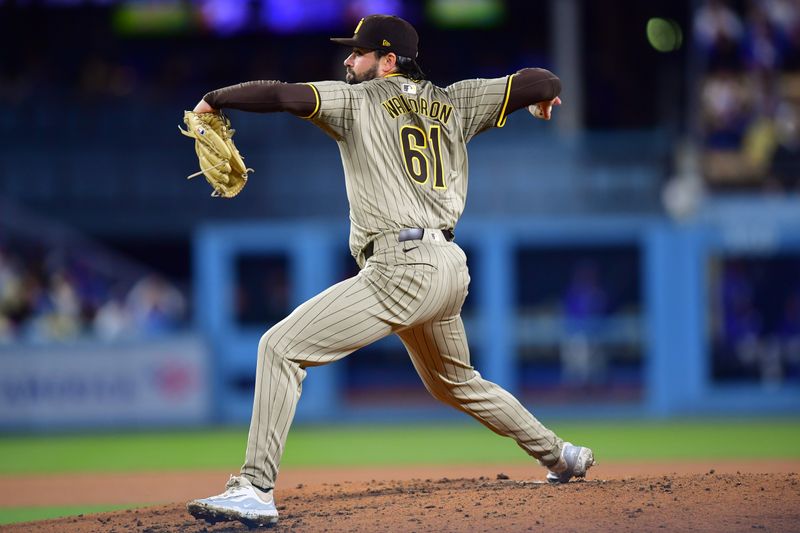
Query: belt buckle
point(410, 234)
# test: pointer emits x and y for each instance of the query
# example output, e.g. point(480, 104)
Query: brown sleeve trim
point(267, 97)
point(501, 120)
point(317, 103)
point(532, 85)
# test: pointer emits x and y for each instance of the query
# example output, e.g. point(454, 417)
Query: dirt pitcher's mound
point(708, 502)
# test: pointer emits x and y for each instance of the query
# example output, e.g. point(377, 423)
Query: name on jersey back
point(400, 105)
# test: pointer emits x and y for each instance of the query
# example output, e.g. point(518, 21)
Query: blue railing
point(74, 162)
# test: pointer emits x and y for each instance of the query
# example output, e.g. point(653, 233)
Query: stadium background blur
point(637, 256)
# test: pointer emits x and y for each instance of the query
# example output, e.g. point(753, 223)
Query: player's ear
point(389, 62)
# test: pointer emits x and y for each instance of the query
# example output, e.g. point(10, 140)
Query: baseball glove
point(220, 161)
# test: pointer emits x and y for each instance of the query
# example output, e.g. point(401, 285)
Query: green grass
point(27, 514)
point(378, 445)
point(394, 445)
point(120, 452)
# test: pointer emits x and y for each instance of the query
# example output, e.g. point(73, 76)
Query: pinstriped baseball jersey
point(403, 147)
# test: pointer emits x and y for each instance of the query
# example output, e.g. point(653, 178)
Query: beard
point(353, 79)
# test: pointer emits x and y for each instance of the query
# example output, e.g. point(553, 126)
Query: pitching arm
point(535, 88)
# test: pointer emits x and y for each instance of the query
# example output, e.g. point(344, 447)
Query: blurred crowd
point(57, 295)
point(758, 329)
point(100, 56)
point(750, 92)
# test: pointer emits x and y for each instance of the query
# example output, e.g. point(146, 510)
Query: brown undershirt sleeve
point(532, 85)
point(265, 97)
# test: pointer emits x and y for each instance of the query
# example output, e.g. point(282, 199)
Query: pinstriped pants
point(414, 289)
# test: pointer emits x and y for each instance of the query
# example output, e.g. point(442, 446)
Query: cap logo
point(360, 22)
point(386, 43)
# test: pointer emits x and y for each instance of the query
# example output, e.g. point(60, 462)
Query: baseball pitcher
point(403, 146)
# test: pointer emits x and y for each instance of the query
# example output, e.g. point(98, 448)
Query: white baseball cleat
point(241, 501)
point(574, 462)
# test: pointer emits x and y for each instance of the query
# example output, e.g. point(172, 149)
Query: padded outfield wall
point(586, 316)
point(668, 342)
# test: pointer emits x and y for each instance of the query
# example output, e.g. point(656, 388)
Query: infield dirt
point(646, 497)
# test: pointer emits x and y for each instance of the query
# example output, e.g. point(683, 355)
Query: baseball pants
point(414, 289)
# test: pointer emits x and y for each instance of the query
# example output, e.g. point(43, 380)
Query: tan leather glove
point(220, 161)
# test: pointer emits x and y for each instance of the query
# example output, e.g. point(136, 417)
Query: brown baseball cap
point(383, 32)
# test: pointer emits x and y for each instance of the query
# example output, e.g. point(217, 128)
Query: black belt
point(406, 234)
